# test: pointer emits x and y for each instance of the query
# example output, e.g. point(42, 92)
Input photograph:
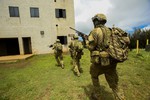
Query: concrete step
point(14, 58)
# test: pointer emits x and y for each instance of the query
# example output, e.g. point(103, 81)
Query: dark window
point(54, 0)
point(34, 12)
point(63, 39)
point(60, 13)
point(13, 11)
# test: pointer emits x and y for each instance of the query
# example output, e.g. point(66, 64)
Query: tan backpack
point(118, 47)
point(59, 47)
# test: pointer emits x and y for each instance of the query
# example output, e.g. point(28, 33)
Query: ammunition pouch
point(100, 58)
point(95, 58)
point(104, 58)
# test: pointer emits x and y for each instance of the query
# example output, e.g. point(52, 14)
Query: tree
point(141, 35)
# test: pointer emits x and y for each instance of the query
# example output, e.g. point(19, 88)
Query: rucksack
point(59, 47)
point(118, 46)
point(78, 46)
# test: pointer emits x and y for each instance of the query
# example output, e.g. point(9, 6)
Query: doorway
point(63, 39)
point(9, 46)
point(27, 45)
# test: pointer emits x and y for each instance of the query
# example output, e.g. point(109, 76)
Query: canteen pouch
point(104, 58)
point(95, 57)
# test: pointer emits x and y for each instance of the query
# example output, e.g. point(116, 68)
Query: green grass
point(39, 79)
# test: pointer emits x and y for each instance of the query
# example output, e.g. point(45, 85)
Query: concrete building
point(30, 26)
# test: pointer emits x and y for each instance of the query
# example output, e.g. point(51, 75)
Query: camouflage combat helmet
point(75, 37)
point(57, 40)
point(100, 17)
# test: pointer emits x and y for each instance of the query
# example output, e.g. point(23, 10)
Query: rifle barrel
point(73, 29)
point(76, 31)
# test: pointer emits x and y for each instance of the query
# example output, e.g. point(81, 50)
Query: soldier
point(58, 53)
point(71, 47)
point(76, 53)
point(102, 63)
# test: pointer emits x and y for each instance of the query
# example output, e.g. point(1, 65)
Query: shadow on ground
point(106, 95)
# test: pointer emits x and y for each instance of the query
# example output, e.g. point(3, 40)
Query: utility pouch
point(104, 58)
point(95, 57)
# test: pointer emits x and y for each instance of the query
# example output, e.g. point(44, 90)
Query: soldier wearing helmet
point(99, 19)
point(75, 37)
point(102, 63)
point(71, 46)
point(57, 40)
point(57, 46)
point(76, 48)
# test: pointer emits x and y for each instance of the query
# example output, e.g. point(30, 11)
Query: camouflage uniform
point(97, 44)
point(58, 53)
point(76, 53)
point(71, 47)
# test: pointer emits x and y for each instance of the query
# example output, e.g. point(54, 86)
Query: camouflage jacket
point(76, 48)
point(57, 48)
point(97, 40)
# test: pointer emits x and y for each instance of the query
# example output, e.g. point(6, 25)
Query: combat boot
point(76, 71)
point(80, 70)
point(119, 95)
point(58, 62)
point(78, 74)
point(62, 65)
point(96, 95)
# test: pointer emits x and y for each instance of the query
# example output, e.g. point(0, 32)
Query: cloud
point(126, 14)
point(146, 27)
point(129, 13)
point(85, 10)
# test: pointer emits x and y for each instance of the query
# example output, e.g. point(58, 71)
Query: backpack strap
point(98, 39)
point(106, 38)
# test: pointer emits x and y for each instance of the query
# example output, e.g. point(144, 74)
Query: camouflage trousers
point(71, 53)
point(76, 66)
point(59, 59)
point(110, 75)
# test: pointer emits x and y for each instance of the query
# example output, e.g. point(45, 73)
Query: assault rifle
point(83, 35)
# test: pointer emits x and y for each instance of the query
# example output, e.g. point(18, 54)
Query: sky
point(126, 14)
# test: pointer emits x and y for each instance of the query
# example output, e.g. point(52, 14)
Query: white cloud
point(125, 14)
point(147, 27)
point(84, 7)
point(85, 10)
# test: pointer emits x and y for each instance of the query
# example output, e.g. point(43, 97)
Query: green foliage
point(141, 35)
point(39, 79)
